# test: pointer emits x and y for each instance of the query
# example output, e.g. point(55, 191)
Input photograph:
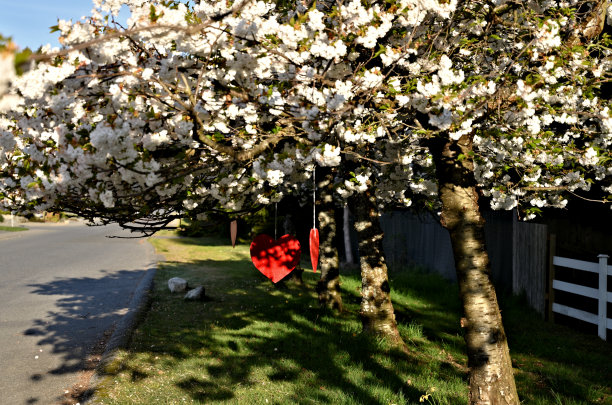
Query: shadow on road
point(82, 318)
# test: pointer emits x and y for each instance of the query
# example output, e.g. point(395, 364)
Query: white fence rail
point(601, 294)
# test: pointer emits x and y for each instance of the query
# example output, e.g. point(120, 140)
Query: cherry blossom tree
point(228, 105)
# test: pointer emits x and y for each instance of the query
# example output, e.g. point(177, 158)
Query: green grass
point(12, 228)
point(254, 343)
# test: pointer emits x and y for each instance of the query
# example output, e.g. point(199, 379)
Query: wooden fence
point(517, 251)
point(601, 294)
point(520, 256)
point(529, 256)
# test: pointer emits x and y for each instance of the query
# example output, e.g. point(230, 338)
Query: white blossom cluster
point(230, 104)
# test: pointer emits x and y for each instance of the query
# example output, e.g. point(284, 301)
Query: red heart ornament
point(314, 248)
point(275, 258)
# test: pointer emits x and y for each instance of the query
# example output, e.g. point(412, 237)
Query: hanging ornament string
point(275, 214)
point(314, 198)
point(314, 232)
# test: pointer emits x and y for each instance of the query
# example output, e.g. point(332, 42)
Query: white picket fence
point(601, 294)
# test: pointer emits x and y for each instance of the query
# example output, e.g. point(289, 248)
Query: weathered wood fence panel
point(498, 237)
point(417, 240)
point(529, 254)
point(517, 250)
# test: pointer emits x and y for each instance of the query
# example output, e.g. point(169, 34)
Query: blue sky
point(28, 21)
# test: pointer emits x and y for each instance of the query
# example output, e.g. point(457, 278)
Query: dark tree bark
point(346, 230)
point(328, 287)
point(376, 313)
point(295, 276)
point(491, 380)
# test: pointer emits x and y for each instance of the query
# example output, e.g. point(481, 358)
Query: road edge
point(123, 331)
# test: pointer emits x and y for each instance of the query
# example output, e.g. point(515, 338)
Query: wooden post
point(603, 296)
point(552, 247)
point(346, 231)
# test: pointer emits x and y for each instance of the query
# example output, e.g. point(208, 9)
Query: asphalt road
point(61, 287)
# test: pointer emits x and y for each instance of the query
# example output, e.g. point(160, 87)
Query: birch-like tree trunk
point(376, 313)
point(296, 275)
point(328, 286)
point(491, 380)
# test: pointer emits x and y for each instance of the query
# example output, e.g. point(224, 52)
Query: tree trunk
point(490, 369)
point(295, 276)
point(376, 313)
point(328, 286)
point(346, 230)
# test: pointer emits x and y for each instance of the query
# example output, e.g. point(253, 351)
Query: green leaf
point(533, 210)
point(153, 16)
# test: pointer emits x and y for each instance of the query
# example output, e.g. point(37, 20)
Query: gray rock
point(177, 284)
point(195, 294)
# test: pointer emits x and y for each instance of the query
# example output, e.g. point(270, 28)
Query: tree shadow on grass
point(251, 333)
point(552, 363)
point(550, 358)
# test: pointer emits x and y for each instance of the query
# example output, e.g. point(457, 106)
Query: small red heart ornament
point(275, 258)
point(314, 248)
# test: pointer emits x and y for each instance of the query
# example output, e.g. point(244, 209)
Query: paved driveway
point(61, 287)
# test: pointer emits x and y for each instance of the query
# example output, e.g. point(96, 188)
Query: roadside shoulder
point(123, 331)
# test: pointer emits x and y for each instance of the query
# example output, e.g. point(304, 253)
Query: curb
point(123, 331)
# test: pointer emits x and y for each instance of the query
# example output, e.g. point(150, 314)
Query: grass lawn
point(254, 343)
point(12, 228)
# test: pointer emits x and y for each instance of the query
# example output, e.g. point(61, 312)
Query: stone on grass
point(177, 284)
point(195, 294)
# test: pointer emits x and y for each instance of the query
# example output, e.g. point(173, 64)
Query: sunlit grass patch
point(252, 342)
point(13, 228)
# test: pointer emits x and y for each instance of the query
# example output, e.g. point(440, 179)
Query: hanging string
point(314, 198)
point(275, 213)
